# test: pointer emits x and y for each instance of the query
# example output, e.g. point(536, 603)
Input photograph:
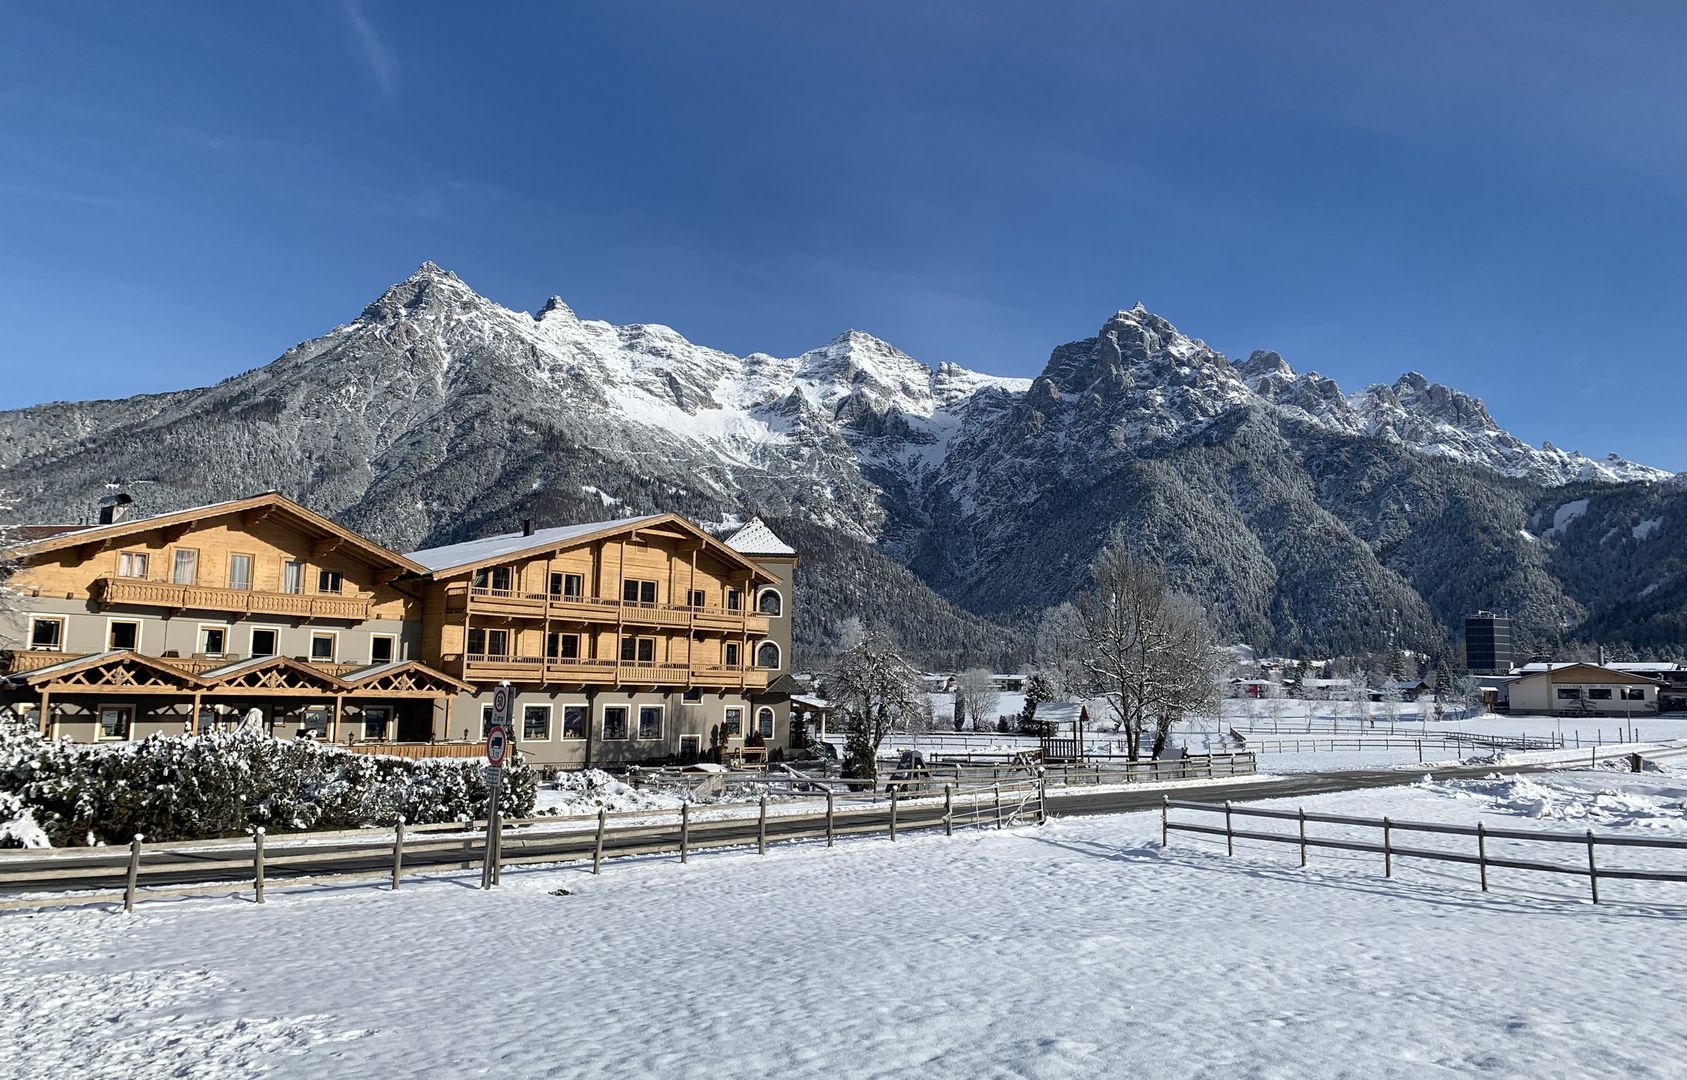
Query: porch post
point(334, 731)
point(195, 723)
point(45, 723)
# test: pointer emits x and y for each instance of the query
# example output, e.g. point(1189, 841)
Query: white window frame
point(724, 718)
point(661, 722)
point(199, 638)
point(585, 721)
point(252, 641)
point(113, 621)
point(383, 637)
point(549, 716)
point(64, 628)
point(627, 721)
point(485, 719)
point(778, 655)
point(99, 723)
point(770, 614)
point(332, 635)
point(772, 721)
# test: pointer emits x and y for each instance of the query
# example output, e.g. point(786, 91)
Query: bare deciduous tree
point(1145, 649)
point(976, 692)
point(876, 694)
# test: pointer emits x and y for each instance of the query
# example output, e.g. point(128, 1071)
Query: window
point(695, 598)
point(730, 654)
point(484, 642)
point(764, 722)
point(322, 646)
point(263, 643)
point(569, 586)
point(316, 721)
point(574, 721)
point(495, 578)
point(329, 581)
point(115, 721)
point(382, 648)
point(1634, 693)
point(536, 722)
point(185, 570)
point(614, 721)
point(293, 576)
point(638, 650)
point(131, 564)
point(1599, 693)
point(485, 721)
point(1569, 693)
point(46, 634)
point(562, 646)
point(123, 635)
point(240, 571)
point(638, 592)
point(733, 726)
point(213, 640)
point(768, 603)
point(693, 695)
point(734, 599)
point(767, 654)
point(650, 722)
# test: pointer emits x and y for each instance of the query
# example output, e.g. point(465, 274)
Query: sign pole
point(497, 748)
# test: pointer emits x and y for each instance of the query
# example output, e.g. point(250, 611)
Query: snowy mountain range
point(438, 414)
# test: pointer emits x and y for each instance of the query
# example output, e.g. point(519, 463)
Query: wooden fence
point(209, 867)
point(1587, 842)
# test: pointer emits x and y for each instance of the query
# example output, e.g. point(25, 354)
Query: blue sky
point(1494, 194)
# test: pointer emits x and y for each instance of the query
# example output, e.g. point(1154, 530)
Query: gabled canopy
point(405, 677)
point(304, 520)
point(120, 669)
point(273, 674)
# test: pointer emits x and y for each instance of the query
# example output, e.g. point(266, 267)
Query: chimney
point(527, 526)
point(1601, 656)
point(114, 508)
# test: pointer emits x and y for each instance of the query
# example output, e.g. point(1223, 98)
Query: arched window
point(764, 722)
point(769, 603)
point(767, 654)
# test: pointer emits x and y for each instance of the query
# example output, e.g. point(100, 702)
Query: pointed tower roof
point(755, 538)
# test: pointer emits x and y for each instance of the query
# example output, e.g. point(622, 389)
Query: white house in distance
point(1576, 689)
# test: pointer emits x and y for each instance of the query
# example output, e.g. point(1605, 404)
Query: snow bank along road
point(1077, 949)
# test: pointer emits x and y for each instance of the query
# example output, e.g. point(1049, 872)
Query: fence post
point(948, 810)
point(134, 873)
point(684, 831)
point(1302, 810)
point(1420, 751)
point(998, 788)
point(397, 853)
point(830, 828)
point(258, 863)
point(1042, 799)
point(597, 850)
point(1482, 854)
point(1229, 839)
point(1165, 815)
point(1387, 849)
point(894, 796)
point(1592, 871)
point(761, 828)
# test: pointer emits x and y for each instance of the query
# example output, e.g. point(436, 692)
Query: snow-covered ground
point(1077, 949)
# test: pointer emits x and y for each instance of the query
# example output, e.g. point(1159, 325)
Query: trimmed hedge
point(194, 787)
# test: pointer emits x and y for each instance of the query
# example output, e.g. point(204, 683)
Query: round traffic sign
point(497, 745)
point(501, 701)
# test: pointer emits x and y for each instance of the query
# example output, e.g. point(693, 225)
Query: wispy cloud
point(383, 64)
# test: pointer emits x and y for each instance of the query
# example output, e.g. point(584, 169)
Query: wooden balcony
point(481, 668)
point(35, 659)
point(591, 609)
point(147, 593)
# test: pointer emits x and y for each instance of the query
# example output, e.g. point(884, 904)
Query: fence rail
point(1587, 842)
point(142, 871)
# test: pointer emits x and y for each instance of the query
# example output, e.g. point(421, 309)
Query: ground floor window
point(116, 720)
point(615, 722)
point(650, 722)
point(764, 722)
point(574, 721)
point(1599, 693)
point(733, 726)
point(536, 722)
point(316, 721)
point(376, 721)
point(1569, 693)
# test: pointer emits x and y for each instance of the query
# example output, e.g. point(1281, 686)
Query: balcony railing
point(605, 672)
point(121, 590)
point(594, 609)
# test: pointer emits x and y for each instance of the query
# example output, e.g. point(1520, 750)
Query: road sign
point(492, 774)
point(503, 699)
point(497, 745)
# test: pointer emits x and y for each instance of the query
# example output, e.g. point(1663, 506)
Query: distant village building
point(1578, 689)
point(1488, 643)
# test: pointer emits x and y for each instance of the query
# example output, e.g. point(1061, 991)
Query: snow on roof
point(755, 538)
point(1059, 712)
point(491, 547)
point(236, 666)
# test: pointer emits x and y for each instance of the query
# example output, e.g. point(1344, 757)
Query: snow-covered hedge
point(185, 787)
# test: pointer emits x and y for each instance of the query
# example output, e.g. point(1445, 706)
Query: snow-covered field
point(1078, 949)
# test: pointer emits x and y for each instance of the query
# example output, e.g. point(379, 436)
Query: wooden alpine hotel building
point(639, 640)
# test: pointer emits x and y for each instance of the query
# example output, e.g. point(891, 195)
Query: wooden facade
point(644, 639)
